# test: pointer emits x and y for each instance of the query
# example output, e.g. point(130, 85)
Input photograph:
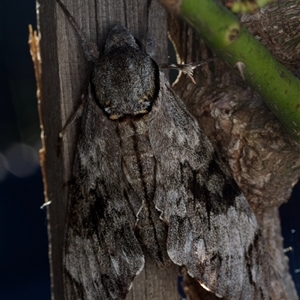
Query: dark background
point(24, 267)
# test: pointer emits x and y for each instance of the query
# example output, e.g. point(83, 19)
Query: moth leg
point(74, 117)
point(187, 69)
point(78, 113)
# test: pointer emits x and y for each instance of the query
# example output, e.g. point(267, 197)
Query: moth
point(146, 178)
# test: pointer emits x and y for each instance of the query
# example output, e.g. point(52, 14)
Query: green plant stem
point(232, 42)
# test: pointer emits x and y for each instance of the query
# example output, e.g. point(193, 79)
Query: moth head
point(119, 36)
point(126, 79)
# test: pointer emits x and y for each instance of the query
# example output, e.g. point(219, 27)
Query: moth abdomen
point(138, 165)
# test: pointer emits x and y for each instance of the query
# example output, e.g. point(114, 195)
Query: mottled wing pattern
point(212, 230)
point(101, 252)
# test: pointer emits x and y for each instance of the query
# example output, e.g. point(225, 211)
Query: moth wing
point(101, 252)
point(212, 230)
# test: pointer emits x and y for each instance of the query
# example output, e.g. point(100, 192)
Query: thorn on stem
point(241, 67)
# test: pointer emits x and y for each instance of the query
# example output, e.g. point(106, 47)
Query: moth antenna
point(90, 49)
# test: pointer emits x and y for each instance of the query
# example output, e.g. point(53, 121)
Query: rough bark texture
point(65, 74)
point(263, 159)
